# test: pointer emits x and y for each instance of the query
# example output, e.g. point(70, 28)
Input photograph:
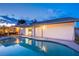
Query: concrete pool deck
point(70, 44)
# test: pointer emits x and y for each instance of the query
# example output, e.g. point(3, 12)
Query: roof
point(58, 20)
point(52, 21)
point(22, 25)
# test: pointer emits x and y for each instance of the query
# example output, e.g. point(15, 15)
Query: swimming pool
point(21, 46)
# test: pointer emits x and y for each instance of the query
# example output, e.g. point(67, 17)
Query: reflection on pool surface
point(29, 47)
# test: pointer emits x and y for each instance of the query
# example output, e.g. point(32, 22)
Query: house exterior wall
point(22, 31)
point(28, 31)
point(64, 31)
point(38, 32)
point(18, 30)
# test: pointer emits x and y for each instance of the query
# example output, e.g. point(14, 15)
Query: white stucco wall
point(65, 32)
point(62, 32)
point(22, 31)
point(33, 31)
point(38, 32)
point(28, 31)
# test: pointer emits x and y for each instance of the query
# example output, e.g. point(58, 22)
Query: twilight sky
point(40, 11)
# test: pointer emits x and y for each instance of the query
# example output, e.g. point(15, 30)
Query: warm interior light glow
point(6, 31)
point(21, 28)
point(17, 29)
point(30, 42)
point(28, 31)
point(44, 27)
point(17, 41)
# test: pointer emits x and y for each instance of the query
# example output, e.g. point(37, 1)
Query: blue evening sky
point(40, 11)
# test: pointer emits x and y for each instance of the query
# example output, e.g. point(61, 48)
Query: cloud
point(55, 13)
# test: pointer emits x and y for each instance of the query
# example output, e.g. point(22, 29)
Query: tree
point(22, 21)
point(34, 21)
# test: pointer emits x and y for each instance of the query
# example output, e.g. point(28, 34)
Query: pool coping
point(69, 44)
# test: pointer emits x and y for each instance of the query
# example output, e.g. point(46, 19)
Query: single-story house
point(60, 28)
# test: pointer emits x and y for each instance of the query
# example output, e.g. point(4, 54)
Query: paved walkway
point(70, 44)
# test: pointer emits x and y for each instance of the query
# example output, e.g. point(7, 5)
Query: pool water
point(21, 46)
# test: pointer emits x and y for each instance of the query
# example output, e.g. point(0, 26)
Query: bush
point(21, 21)
point(77, 39)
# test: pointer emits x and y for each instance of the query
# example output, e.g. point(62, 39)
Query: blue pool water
point(29, 47)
